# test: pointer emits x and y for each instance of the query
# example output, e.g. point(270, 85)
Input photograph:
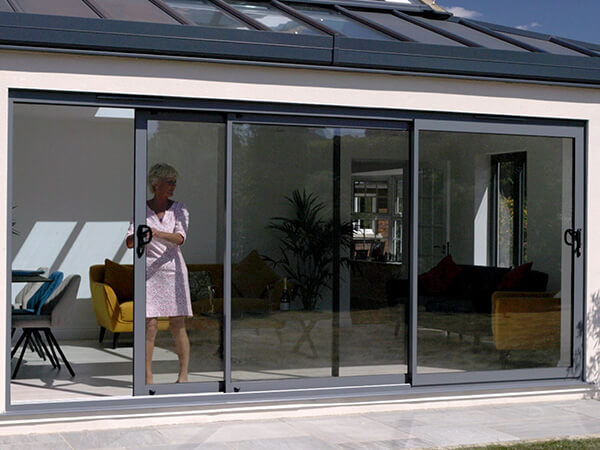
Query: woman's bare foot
point(182, 379)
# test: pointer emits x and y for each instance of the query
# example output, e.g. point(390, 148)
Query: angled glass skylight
point(5, 7)
point(408, 29)
point(473, 35)
point(206, 14)
point(134, 10)
point(73, 8)
point(339, 22)
point(547, 46)
point(272, 17)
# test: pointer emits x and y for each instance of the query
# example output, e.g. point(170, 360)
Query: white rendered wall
point(26, 70)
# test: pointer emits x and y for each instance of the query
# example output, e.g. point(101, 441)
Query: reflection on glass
point(479, 310)
point(202, 12)
point(408, 29)
point(184, 296)
point(339, 22)
point(135, 10)
point(282, 233)
point(53, 236)
point(511, 208)
point(272, 17)
point(74, 8)
point(295, 239)
point(372, 329)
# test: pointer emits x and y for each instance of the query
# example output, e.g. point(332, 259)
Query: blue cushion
point(23, 311)
point(38, 299)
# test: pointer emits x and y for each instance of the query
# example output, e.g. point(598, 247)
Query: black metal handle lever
point(144, 236)
point(573, 238)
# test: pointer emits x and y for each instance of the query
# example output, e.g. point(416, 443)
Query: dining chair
point(37, 300)
point(56, 312)
point(30, 288)
point(34, 304)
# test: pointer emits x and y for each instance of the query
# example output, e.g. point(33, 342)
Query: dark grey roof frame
point(552, 59)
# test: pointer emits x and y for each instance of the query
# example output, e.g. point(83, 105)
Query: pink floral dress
point(167, 285)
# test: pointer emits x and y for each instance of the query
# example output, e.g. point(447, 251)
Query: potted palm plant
point(306, 250)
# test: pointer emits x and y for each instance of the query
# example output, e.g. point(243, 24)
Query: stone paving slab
point(422, 428)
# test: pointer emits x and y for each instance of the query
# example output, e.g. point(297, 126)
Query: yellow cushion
point(126, 311)
point(127, 317)
point(120, 278)
point(252, 275)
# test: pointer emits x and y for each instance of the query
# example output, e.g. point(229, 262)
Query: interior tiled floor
point(260, 351)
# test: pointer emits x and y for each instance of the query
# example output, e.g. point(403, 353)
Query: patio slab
point(362, 427)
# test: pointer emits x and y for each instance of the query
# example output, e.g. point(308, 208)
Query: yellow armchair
point(526, 320)
point(110, 314)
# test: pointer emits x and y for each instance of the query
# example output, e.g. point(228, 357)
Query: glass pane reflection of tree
point(334, 253)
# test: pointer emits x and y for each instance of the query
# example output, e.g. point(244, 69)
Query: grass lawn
point(563, 444)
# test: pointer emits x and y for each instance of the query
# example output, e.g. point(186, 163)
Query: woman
point(167, 286)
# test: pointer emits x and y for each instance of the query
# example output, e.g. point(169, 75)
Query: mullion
point(227, 328)
point(411, 309)
point(335, 258)
point(139, 264)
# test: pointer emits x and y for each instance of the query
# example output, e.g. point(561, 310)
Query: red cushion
point(513, 280)
point(438, 280)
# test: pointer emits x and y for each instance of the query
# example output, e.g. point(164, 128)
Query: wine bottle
point(284, 303)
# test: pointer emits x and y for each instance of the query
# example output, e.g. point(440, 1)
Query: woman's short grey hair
point(160, 171)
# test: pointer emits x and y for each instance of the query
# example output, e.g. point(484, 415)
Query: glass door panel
point(184, 209)
point(317, 211)
point(282, 234)
point(72, 196)
point(372, 327)
point(495, 275)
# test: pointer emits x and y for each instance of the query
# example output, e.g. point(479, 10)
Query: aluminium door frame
point(142, 117)
point(398, 381)
point(575, 132)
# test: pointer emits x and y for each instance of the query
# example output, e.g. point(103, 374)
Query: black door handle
point(144, 236)
point(573, 238)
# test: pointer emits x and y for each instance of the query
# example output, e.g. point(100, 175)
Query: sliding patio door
point(289, 284)
point(184, 154)
point(339, 252)
point(319, 225)
point(498, 255)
